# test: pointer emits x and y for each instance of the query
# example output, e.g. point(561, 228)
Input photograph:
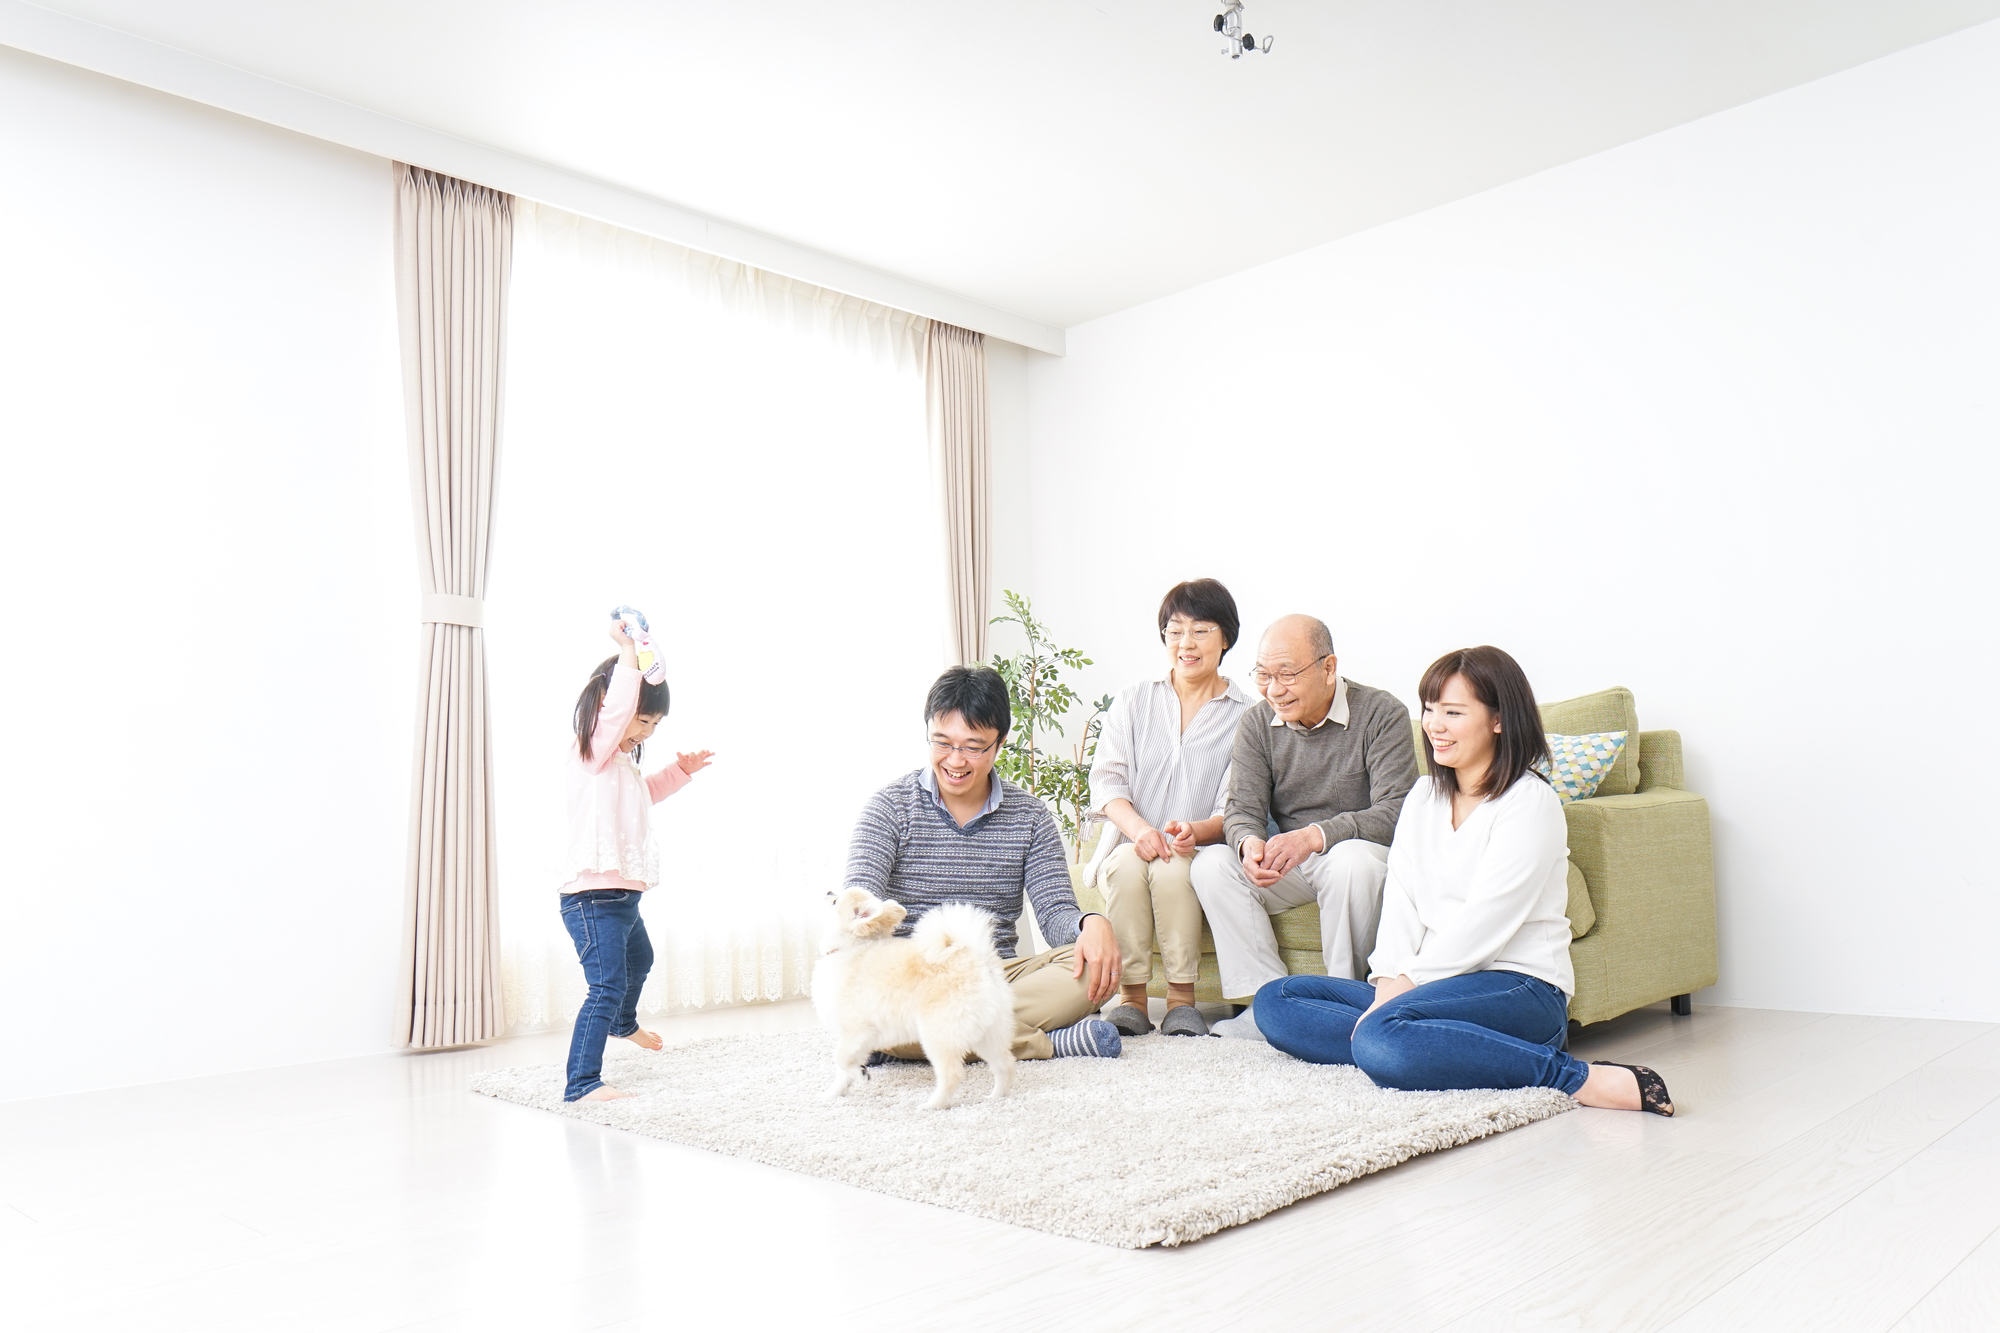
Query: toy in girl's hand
point(636, 629)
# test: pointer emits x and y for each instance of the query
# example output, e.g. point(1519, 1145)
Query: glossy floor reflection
point(1826, 1171)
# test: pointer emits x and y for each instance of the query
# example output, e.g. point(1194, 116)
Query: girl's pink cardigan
point(611, 801)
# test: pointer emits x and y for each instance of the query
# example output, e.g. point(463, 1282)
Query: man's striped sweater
point(908, 848)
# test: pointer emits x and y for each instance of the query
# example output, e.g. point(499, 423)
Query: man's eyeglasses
point(1263, 678)
point(939, 747)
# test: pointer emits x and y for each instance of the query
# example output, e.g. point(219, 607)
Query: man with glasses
point(1328, 761)
point(954, 832)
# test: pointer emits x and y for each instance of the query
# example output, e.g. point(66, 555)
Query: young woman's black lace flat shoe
point(1652, 1088)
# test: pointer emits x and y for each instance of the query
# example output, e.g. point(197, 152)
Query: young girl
point(612, 857)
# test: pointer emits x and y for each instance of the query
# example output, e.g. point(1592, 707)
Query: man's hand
point(1180, 837)
point(1097, 958)
point(1151, 845)
point(1386, 989)
point(1253, 864)
point(1286, 850)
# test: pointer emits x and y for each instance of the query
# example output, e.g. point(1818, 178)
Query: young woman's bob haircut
point(975, 693)
point(1202, 599)
point(1498, 682)
point(653, 701)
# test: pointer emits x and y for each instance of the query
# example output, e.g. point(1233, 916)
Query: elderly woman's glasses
point(969, 751)
point(1285, 678)
point(1189, 633)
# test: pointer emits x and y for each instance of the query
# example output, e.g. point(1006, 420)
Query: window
point(762, 494)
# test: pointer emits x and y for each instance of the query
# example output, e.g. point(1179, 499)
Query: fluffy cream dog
point(943, 988)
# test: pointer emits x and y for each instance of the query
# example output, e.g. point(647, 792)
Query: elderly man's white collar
point(1336, 714)
point(928, 777)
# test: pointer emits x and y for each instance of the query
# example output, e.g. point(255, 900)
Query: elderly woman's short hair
point(1202, 599)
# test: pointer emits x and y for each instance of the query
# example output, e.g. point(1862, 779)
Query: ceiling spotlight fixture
point(1236, 42)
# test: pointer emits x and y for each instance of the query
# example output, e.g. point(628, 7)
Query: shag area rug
point(1179, 1138)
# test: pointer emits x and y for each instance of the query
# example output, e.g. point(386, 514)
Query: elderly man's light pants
point(1345, 880)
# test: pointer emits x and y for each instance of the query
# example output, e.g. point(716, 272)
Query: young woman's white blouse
point(1491, 894)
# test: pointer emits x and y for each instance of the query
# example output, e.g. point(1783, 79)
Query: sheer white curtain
point(744, 459)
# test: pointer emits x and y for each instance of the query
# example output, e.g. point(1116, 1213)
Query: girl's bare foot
point(649, 1040)
point(603, 1092)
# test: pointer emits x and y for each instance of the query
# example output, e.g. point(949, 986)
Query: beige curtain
point(955, 393)
point(454, 245)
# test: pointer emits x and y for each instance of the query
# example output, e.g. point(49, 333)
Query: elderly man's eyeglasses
point(1263, 678)
point(939, 747)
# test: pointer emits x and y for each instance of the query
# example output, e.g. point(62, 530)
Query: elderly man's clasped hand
point(1267, 860)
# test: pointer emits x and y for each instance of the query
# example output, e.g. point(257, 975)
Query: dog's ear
point(882, 919)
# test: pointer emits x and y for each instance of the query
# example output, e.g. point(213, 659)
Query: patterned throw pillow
point(1578, 763)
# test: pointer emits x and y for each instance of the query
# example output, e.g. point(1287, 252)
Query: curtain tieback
point(448, 608)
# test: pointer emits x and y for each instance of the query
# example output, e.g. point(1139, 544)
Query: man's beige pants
point(1153, 900)
point(1046, 997)
point(1345, 880)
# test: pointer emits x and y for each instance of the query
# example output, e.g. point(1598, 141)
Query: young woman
point(1159, 776)
point(1470, 980)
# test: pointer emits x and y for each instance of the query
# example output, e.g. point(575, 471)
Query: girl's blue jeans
point(1480, 1030)
point(611, 944)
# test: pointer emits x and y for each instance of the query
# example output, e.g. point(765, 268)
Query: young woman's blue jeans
point(611, 944)
point(1480, 1030)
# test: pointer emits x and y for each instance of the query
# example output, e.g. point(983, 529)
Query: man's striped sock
point(1092, 1036)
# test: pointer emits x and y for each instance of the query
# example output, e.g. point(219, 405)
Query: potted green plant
point(1041, 702)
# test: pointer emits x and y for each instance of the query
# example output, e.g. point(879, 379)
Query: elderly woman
point(1159, 777)
point(1470, 980)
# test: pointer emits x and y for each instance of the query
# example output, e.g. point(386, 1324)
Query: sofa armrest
point(1650, 868)
point(1660, 761)
point(1089, 898)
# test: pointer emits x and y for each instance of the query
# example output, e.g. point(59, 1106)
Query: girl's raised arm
point(621, 705)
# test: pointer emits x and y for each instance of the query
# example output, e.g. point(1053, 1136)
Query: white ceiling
point(1060, 159)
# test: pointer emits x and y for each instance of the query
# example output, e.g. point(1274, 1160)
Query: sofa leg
point(1683, 1005)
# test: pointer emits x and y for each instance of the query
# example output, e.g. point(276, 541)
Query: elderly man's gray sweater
point(1350, 780)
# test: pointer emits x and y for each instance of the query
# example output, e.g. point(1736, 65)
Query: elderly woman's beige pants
point(1147, 901)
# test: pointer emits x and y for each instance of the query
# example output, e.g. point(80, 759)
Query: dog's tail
point(945, 931)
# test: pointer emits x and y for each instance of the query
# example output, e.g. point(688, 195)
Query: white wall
point(209, 672)
point(1010, 440)
point(1712, 416)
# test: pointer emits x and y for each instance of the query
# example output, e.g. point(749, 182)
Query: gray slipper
point(1184, 1020)
point(1130, 1020)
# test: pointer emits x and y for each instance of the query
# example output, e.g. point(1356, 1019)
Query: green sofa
point(1641, 879)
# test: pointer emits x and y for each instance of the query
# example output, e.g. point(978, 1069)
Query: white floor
point(1825, 1173)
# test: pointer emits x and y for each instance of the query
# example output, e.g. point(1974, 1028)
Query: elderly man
point(954, 832)
point(1328, 761)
